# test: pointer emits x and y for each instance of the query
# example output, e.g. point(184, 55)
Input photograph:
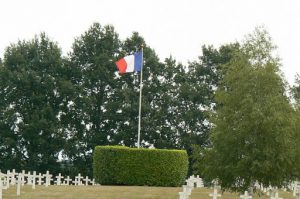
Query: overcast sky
point(171, 27)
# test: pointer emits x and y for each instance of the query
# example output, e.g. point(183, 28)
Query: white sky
point(171, 27)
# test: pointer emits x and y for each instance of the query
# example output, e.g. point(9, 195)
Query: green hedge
point(118, 165)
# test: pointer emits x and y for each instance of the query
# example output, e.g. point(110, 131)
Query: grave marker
point(297, 192)
point(40, 179)
point(276, 196)
point(68, 180)
point(215, 194)
point(8, 177)
point(183, 195)
point(78, 180)
point(187, 189)
point(48, 179)
point(33, 178)
point(93, 182)
point(87, 180)
point(245, 196)
point(58, 179)
point(20, 181)
point(29, 178)
point(2, 187)
point(23, 178)
point(13, 177)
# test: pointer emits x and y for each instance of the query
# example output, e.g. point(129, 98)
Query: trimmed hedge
point(118, 165)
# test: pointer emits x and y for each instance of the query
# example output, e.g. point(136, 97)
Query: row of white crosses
point(270, 191)
point(295, 187)
point(273, 192)
point(13, 178)
point(190, 184)
point(216, 195)
point(187, 189)
point(46, 179)
point(297, 192)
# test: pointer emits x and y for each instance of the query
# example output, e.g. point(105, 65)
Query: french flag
point(130, 63)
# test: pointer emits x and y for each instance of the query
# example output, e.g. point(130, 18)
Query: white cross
point(87, 180)
point(2, 186)
point(190, 182)
point(8, 177)
point(294, 187)
point(199, 182)
point(40, 179)
point(68, 180)
point(297, 192)
point(93, 181)
point(245, 196)
point(29, 178)
point(20, 181)
point(256, 185)
point(187, 190)
point(276, 196)
point(264, 189)
point(182, 195)
point(33, 178)
point(215, 194)
point(194, 180)
point(269, 191)
point(284, 189)
point(13, 179)
point(48, 179)
point(78, 179)
point(58, 179)
point(23, 178)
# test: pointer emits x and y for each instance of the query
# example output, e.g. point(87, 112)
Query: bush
point(118, 165)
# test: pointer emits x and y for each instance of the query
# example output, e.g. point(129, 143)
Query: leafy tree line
point(59, 108)
point(255, 134)
point(231, 105)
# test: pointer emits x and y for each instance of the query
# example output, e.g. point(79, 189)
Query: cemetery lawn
point(114, 192)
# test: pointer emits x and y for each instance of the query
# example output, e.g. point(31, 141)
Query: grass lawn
point(114, 192)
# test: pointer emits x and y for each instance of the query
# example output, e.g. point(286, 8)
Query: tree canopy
point(232, 103)
point(56, 109)
point(253, 139)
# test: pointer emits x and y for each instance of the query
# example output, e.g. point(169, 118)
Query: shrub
point(120, 165)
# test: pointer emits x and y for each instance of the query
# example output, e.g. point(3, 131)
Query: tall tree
point(10, 153)
point(252, 138)
point(88, 116)
point(31, 103)
point(204, 78)
point(296, 97)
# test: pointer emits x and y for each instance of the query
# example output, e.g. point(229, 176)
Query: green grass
point(115, 192)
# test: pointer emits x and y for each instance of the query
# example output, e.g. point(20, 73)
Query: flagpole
point(140, 104)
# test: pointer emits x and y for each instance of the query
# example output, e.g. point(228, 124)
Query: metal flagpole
point(140, 105)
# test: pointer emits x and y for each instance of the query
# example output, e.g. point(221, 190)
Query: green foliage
point(254, 124)
point(52, 105)
point(30, 105)
point(87, 93)
point(296, 98)
point(132, 166)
